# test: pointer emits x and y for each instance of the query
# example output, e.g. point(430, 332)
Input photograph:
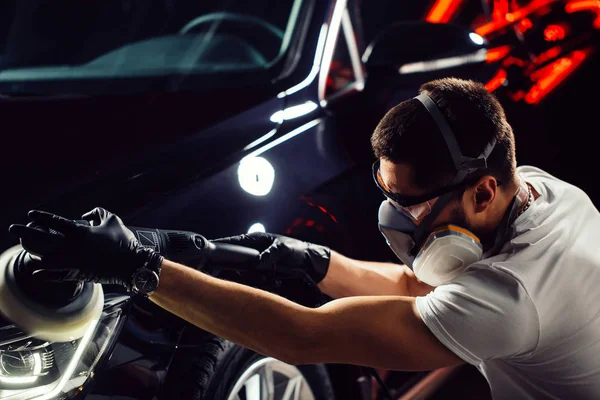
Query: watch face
point(145, 281)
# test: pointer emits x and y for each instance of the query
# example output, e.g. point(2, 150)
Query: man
point(500, 263)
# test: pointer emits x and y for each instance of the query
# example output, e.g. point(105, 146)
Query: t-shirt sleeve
point(482, 315)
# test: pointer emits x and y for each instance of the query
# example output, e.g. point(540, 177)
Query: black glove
point(105, 252)
point(281, 252)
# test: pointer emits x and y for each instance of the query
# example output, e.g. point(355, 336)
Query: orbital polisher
point(61, 312)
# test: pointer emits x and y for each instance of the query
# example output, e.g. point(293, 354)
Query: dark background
point(569, 131)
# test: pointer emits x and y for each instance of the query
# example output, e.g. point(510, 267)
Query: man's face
point(399, 179)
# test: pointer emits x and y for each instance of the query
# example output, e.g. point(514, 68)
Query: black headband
point(463, 164)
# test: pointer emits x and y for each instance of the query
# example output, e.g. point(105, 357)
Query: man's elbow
point(293, 354)
point(288, 348)
point(302, 356)
point(292, 357)
point(308, 345)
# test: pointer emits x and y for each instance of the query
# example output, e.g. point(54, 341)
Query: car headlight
point(36, 369)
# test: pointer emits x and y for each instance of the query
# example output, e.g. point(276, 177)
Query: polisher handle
point(193, 249)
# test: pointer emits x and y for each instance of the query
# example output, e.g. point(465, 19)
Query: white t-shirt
point(529, 317)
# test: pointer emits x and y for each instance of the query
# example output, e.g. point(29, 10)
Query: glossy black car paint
point(170, 159)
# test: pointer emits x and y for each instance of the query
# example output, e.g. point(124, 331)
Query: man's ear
point(484, 192)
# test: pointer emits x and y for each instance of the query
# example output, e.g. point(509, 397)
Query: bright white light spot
point(293, 112)
point(256, 175)
point(257, 227)
point(476, 38)
point(37, 363)
point(18, 380)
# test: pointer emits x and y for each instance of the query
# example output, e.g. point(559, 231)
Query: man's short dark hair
point(408, 134)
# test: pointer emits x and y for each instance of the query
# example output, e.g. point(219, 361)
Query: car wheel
point(219, 369)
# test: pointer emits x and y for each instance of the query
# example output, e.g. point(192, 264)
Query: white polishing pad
point(41, 321)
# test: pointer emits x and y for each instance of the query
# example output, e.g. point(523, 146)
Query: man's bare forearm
point(347, 277)
point(376, 331)
point(234, 311)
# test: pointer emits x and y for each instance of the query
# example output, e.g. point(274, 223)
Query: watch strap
point(151, 261)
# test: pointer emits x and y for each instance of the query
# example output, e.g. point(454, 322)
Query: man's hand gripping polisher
point(61, 312)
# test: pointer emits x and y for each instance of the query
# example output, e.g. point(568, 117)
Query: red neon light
point(585, 5)
point(517, 96)
point(501, 8)
point(509, 18)
point(549, 77)
point(578, 5)
point(548, 55)
point(514, 60)
point(442, 11)
point(320, 207)
point(524, 25)
point(496, 81)
point(497, 53)
point(554, 32)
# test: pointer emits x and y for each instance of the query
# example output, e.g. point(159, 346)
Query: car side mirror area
point(418, 51)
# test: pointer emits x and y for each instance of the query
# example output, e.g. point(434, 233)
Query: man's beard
point(459, 218)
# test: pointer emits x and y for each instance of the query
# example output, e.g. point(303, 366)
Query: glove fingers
point(96, 216)
point(36, 241)
point(272, 255)
point(53, 221)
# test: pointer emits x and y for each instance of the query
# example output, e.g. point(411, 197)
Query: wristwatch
point(145, 281)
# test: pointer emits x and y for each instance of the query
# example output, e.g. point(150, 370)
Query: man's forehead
point(398, 178)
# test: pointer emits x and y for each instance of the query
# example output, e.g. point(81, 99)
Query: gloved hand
point(281, 252)
point(106, 252)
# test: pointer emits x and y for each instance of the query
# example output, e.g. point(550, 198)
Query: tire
point(212, 369)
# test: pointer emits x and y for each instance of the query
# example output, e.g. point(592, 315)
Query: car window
point(345, 69)
point(41, 39)
point(341, 74)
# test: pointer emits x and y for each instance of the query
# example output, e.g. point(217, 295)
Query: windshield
point(45, 40)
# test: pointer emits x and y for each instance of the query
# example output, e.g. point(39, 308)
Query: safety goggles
point(414, 207)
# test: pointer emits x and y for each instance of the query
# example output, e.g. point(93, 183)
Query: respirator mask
point(445, 254)
point(439, 255)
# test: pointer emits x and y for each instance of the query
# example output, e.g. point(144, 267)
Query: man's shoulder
point(490, 288)
point(476, 315)
point(531, 171)
point(554, 188)
point(539, 176)
point(489, 278)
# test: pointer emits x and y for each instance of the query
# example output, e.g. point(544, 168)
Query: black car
point(219, 118)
